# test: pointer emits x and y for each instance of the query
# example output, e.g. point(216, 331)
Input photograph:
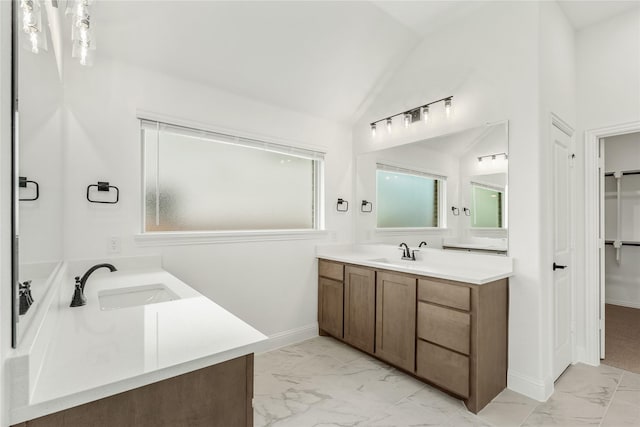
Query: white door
point(561, 152)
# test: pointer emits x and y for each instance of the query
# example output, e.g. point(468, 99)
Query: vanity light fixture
point(82, 34)
point(32, 25)
point(447, 107)
point(414, 114)
point(425, 114)
point(493, 156)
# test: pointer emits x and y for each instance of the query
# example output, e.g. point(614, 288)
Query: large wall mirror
point(450, 191)
point(38, 205)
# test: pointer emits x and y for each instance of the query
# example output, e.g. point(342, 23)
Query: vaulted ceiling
point(324, 58)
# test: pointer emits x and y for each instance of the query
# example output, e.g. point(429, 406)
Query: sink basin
point(113, 299)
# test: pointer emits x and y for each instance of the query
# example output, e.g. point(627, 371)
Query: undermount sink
point(113, 299)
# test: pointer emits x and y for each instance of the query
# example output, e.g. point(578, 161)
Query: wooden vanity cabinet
point(331, 298)
point(396, 319)
point(450, 334)
point(360, 307)
point(217, 396)
point(462, 338)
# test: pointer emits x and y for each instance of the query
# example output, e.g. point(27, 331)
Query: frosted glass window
point(487, 208)
point(203, 181)
point(406, 199)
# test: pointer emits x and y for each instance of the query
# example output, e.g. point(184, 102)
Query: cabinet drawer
point(443, 367)
point(331, 270)
point(445, 327)
point(444, 294)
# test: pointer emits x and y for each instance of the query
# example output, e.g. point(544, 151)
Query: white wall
point(488, 61)
point(270, 284)
point(5, 205)
point(622, 279)
point(608, 93)
point(557, 96)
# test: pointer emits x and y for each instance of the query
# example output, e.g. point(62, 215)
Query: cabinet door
point(396, 319)
point(330, 306)
point(359, 307)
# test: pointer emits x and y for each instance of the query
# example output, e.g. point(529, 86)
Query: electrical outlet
point(114, 246)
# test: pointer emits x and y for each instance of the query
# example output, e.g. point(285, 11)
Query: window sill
point(214, 237)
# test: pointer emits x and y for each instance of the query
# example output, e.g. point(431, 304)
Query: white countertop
point(94, 353)
point(474, 268)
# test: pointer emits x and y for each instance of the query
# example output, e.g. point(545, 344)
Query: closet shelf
point(624, 242)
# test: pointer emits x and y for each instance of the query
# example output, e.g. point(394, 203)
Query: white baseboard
point(292, 336)
point(630, 304)
point(529, 386)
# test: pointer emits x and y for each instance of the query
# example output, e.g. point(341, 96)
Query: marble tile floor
point(322, 382)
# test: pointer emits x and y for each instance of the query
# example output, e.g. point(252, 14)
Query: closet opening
point(620, 255)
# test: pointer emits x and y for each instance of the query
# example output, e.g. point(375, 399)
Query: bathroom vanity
point(443, 324)
point(146, 350)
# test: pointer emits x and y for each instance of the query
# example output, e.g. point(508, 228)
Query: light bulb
point(447, 106)
point(407, 119)
point(425, 113)
point(389, 125)
point(33, 37)
point(373, 130)
point(83, 55)
point(84, 35)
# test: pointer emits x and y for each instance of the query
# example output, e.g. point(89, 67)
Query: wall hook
point(455, 211)
point(366, 206)
point(342, 205)
point(467, 211)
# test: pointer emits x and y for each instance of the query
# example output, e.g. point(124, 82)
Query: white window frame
point(442, 197)
point(162, 238)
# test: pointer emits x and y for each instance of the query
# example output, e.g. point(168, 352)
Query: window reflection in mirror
point(487, 206)
point(407, 198)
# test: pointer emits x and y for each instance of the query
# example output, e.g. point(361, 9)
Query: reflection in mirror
point(488, 204)
point(407, 198)
point(38, 212)
point(451, 191)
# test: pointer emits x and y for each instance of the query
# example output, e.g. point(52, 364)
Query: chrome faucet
point(78, 295)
